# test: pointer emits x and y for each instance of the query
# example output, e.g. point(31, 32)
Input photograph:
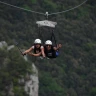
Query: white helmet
point(48, 42)
point(37, 41)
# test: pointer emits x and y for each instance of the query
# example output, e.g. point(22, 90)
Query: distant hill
point(73, 73)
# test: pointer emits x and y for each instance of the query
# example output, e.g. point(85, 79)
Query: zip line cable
point(46, 12)
point(21, 8)
point(69, 9)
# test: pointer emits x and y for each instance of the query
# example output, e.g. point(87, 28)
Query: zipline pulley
point(46, 15)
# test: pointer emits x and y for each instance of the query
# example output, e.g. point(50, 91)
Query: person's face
point(48, 47)
point(37, 45)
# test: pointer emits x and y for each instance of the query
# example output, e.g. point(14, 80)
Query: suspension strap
point(40, 35)
point(53, 38)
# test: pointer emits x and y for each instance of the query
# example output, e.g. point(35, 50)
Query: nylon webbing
point(40, 35)
point(53, 38)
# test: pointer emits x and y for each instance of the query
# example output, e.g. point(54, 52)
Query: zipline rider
point(37, 49)
point(50, 50)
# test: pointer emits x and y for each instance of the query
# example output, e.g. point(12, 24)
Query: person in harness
point(37, 48)
point(50, 50)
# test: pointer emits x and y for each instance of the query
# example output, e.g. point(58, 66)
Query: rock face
point(10, 47)
point(3, 44)
point(31, 85)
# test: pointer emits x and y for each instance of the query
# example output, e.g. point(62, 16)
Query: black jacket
point(50, 53)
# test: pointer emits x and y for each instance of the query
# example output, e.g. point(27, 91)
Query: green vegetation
point(12, 68)
point(73, 73)
point(33, 1)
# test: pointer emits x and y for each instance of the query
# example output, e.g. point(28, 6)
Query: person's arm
point(42, 52)
point(27, 51)
point(58, 47)
point(32, 54)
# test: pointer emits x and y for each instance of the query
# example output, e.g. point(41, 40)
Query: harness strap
point(40, 35)
point(53, 38)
